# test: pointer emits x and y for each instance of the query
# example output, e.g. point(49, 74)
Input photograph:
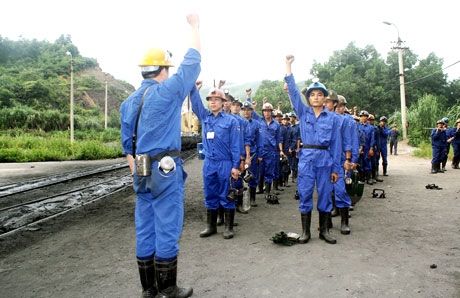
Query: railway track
point(25, 204)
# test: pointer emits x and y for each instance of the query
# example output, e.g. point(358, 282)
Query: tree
point(422, 116)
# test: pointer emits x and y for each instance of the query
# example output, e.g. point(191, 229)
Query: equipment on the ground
point(286, 238)
point(378, 193)
point(272, 199)
point(432, 186)
point(354, 187)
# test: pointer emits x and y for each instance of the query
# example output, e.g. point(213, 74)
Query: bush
point(20, 146)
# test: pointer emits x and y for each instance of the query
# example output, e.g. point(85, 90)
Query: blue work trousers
point(367, 161)
point(254, 168)
point(268, 165)
point(308, 176)
point(216, 180)
point(159, 212)
point(383, 155)
point(342, 199)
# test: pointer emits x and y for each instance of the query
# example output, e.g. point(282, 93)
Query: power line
point(427, 76)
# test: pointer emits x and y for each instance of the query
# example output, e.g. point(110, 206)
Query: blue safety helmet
point(317, 86)
point(292, 114)
point(445, 119)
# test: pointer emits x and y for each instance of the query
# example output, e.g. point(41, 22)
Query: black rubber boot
point(252, 197)
point(229, 219)
point(438, 168)
point(344, 228)
point(166, 276)
point(211, 221)
point(294, 176)
point(385, 167)
point(324, 218)
point(239, 205)
point(362, 176)
point(261, 186)
point(296, 196)
point(368, 178)
point(305, 219)
point(329, 222)
point(276, 185)
point(220, 215)
point(455, 162)
point(147, 276)
point(373, 176)
point(433, 169)
point(335, 211)
point(377, 176)
point(268, 188)
point(286, 180)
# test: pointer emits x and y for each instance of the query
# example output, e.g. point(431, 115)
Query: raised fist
point(221, 83)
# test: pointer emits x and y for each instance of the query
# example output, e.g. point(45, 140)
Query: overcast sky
point(241, 40)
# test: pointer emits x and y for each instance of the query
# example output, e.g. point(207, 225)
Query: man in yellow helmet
point(152, 147)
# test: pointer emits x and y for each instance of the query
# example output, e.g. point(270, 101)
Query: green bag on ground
point(286, 239)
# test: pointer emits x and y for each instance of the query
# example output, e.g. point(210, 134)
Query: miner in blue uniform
point(384, 132)
point(271, 132)
point(221, 146)
point(284, 162)
point(361, 142)
point(151, 139)
point(294, 137)
point(319, 156)
point(448, 135)
point(438, 146)
point(243, 123)
point(374, 158)
point(369, 143)
point(342, 200)
point(254, 144)
point(455, 141)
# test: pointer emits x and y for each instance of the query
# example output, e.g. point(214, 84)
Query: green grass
point(19, 146)
point(424, 150)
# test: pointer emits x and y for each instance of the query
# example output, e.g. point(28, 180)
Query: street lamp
point(105, 103)
point(401, 82)
point(71, 96)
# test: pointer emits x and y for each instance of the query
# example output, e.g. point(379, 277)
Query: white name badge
point(210, 135)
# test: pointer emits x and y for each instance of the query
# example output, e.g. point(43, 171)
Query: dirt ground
point(392, 250)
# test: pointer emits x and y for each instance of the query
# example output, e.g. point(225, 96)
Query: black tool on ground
point(378, 193)
point(272, 199)
point(432, 186)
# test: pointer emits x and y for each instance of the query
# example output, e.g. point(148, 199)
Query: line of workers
point(242, 146)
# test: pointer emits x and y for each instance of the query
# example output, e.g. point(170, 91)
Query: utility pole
point(71, 98)
point(105, 122)
point(402, 89)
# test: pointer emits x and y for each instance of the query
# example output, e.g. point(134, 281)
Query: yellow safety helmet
point(154, 58)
